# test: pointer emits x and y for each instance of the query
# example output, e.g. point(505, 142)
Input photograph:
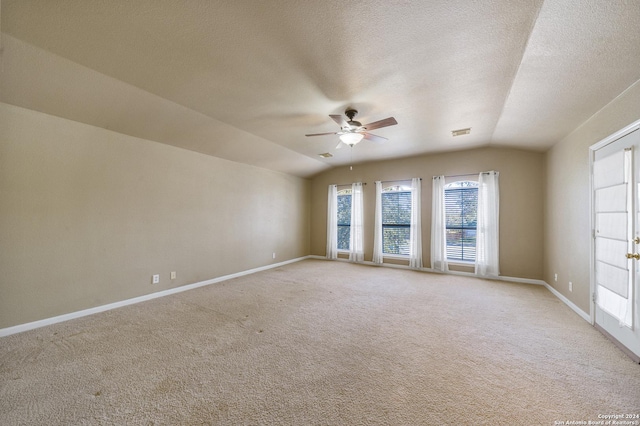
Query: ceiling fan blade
point(381, 123)
point(339, 119)
point(374, 138)
point(321, 134)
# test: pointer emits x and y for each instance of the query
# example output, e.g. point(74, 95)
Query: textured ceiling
point(246, 79)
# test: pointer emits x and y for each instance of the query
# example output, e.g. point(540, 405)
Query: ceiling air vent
point(326, 155)
point(461, 132)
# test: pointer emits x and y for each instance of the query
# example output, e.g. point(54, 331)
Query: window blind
point(461, 219)
point(344, 221)
point(396, 222)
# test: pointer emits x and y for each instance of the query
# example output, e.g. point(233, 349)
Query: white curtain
point(438, 226)
point(377, 233)
point(415, 236)
point(332, 222)
point(356, 246)
point(487, 233)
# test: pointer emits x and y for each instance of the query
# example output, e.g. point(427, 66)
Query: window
point(461, 205)
point(396, 220)
point(344, 219)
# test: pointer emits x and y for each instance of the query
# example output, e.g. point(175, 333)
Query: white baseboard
point(66, 317)
point(555, 292)
point(499, 278)
point(569, 303)
point(466, 274)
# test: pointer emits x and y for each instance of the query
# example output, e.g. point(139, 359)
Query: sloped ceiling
point(246, 79)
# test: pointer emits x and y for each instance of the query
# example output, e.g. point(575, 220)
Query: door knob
point(635, 256)
point(636, 240)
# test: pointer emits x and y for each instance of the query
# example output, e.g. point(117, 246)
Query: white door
point(616, 248)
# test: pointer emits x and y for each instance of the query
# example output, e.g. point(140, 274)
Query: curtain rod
point(398, 180)
point(385, 181)
point(347, 184)
point(468, 174)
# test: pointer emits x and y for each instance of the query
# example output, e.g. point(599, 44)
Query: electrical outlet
point(274, 254)
point(155, 279)
point(555, 277)
point(570, 286)
point(173, 275)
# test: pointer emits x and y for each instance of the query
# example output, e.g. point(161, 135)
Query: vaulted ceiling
point(245, 80)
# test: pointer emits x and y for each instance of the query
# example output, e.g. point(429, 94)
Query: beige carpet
point(320, 342)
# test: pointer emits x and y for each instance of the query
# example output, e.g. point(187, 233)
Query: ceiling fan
point(351, 132)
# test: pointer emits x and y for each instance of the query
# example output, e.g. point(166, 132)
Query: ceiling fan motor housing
point(350, 112)
point(353, 125)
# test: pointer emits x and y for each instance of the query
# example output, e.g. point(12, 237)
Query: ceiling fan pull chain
point(351, 159)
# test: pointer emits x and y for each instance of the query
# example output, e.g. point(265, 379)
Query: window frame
point(448, 183)
point(341, 193)
point(395, 187)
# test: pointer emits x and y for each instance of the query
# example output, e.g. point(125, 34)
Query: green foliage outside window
point(461, 204)
point(344, 219)
point(396, 220)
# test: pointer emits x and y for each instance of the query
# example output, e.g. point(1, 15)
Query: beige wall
point(521, 200)
point(88, 215)
point(567, 210)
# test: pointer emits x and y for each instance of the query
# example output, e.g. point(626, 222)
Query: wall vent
point(461, 132)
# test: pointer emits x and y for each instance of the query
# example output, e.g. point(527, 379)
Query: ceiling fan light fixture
point(351, 138)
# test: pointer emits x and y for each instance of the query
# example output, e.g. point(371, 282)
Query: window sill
point(462, 266)
point(396, 256)
point(461, 263)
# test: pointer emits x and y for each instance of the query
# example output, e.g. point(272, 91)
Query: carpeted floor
point(318, 342)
